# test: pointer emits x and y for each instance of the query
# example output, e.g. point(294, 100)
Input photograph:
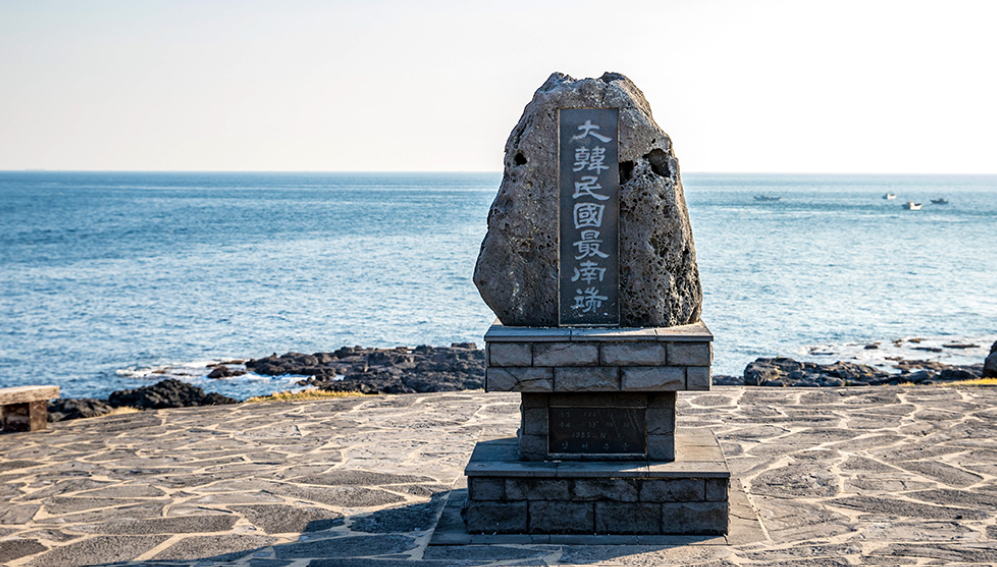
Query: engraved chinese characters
point(589, 216)
point(597, 431)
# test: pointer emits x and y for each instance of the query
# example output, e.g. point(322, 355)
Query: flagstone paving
point(850, 476)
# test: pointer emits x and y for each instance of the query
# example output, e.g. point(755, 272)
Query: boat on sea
point(940, 201)
point(912, 206)
point(889, 196)
point(766, 198)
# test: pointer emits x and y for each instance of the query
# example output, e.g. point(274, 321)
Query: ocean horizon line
point(470, 172)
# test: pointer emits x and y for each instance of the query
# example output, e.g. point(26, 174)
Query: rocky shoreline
point(401, 370)
point(780, 372)
point(461, 366)
point(169, 393)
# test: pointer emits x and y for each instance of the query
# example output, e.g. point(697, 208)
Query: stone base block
point(627, 518)
point(561, 517)
point(695, 517)
point(588, 426)
point(661, 447)
point(496, 517)
point(688, 496)
point(30, 416)
point(603, 516)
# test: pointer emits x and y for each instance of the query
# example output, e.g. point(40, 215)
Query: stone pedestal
point(686, 496)
point(597, 450)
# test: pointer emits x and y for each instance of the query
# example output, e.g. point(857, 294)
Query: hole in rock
point(659, 162)
point(519, 159)
point(626, 171)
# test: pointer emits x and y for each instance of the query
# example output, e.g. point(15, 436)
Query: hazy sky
point(394, 85)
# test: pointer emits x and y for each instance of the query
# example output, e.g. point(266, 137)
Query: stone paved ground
point(857, 476)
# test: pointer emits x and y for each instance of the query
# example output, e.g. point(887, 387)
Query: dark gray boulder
point(763, 370)
point(990, 364)
point(222, 371)
point(956, 375)
point(725, 380)
point(517, 268)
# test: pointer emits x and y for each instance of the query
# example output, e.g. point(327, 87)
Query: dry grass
point(302, 396)
point(977, 382)
point(123, 411)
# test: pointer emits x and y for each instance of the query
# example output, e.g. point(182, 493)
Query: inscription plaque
point(598, 431)
point(589, 180)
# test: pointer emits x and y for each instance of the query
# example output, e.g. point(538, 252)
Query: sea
point(111, 281)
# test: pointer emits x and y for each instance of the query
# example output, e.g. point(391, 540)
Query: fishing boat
point(766, 198)
point(890, 196)
point(940, 201)
point(912, 206)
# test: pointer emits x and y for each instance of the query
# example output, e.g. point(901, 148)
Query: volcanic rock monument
point(589, 265)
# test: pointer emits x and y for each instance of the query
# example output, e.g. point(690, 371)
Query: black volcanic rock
point(780, 372)
point(75, 408)
point(990, 364)
point(725, 380)
point(222, 371)
point(318, 364)
point(169, 393)
point(399, 370)
point(957, 374)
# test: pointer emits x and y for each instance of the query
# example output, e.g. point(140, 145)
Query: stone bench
point(25, 408)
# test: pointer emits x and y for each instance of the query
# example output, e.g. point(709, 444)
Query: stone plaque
point(589, 180)
point(598, 431)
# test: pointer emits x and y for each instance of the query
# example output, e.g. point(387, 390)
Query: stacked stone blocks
point(688, 496)
point(598, 505)
point(571, 361)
